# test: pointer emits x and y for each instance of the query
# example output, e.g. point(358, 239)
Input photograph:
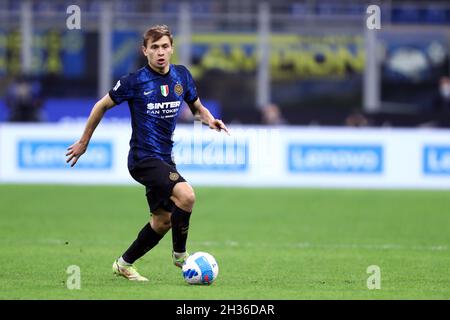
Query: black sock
point(180, 227)
point(146, 240)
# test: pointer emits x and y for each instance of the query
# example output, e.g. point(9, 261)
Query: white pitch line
point(236, 244)
point(388, 246)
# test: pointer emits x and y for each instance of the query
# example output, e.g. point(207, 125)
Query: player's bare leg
point(148, 237)
point(160, 221)
point(184, 198)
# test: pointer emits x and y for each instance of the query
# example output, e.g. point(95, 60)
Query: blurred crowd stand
point(443, 102)
point(271, 115)
point(24, 99)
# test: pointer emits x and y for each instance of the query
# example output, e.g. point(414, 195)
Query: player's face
point(158, 54)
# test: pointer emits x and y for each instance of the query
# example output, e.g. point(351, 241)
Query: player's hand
point(218, 125)
point(75, 152)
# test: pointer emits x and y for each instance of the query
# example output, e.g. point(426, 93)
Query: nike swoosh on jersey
point(148, 92)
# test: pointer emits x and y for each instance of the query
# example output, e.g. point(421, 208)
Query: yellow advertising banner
point(291, 56)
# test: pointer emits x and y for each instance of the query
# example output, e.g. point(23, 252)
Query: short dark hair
point(156, 32)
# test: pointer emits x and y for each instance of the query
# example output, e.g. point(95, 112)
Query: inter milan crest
point(178, 89)
point(165, 90)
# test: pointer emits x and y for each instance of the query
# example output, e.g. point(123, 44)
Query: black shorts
point(159, 178)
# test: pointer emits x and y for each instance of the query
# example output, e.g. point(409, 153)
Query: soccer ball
point(200, 268)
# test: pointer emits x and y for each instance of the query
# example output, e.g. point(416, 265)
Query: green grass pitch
point(269, 243)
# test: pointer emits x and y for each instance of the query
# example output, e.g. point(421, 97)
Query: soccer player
point(154, 94)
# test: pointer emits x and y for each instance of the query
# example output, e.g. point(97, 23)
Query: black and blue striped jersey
point(155, 101)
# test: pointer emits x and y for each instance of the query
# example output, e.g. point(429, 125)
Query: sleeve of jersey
point(122, 91)
point(191, 91)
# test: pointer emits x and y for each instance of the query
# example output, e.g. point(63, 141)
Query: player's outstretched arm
point(78, 148)
point(202, 113)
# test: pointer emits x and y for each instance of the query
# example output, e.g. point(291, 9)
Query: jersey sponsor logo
point(165, 90)
point(163, 105)
point(146, 93)
point(357, 159)
point(163, 109)
point(116, 86)
point(436, 160)
point(50, 155)
point(178, 89)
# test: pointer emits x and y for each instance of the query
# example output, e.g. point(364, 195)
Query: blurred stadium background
point(314, 99)
point(313, 66)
